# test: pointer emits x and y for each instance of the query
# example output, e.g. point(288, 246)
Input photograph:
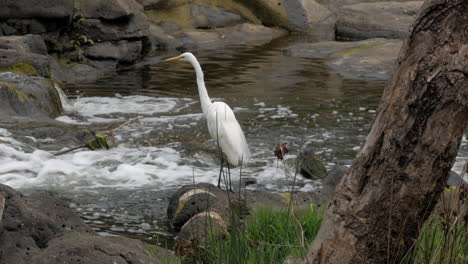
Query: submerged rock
point(311, 167)
point(376, 20)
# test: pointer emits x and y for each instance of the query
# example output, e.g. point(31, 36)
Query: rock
point(249, 34)
point(455, 180)
point(376, 20)
point(206, 16)
point(193, 199)
point(28, 96)
point(2, 205)
point(24, 44)
point(293, 15)
point(335, 175)
point(30, 222)
point(25, 63)
point(203, 225)
point(86, 248)
point(122, 51)
point(160, 40)
point(311, 166)
point(370, 63)
point(367, 59)
point(101, 31)
point(107, 9)
point(48, 9)
point(76, 72)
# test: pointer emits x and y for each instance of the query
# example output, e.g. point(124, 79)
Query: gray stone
point(122, 51)
point(101, 30)
point(24, 44)
point(48, 9)
point(203, 225)
point(2, 206)
point(28, 26)
point(311, 167)
point(206, 16)
point(9, 58)
point(107, 9)
point(376, 20)
point(160, 40)
point(85, 248)
point(249, 34)
point(30, 222)
point(28, 96)
point(367, 59)
point(291, 259)
point(169, 27)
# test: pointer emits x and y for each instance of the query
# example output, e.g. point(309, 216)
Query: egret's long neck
point(204, 98)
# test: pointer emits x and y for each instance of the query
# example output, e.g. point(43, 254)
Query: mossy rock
point(21, 68)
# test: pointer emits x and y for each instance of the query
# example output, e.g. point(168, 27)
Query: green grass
point(266, 237)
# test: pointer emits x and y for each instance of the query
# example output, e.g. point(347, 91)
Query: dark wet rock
point(86, 248)
point(169, 27)
point(2, 205)
point(455, 180)
point(122, 51)
point(48, 9)
point(100, 31)
point(367, 59)
point(30, 222)
point(26, 44)
point(76, 72)
point(107, 9)
point(376, 20)
point(311, 167)
point(26, 63)
point(206, 16)
point(28, 96)
point(335, 175)
point(193, 199)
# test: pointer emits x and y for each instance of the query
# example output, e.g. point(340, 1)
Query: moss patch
point(360, 48)
point(21, 68)
point(14, 91)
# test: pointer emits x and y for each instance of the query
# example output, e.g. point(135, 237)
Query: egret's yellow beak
point(174, 58)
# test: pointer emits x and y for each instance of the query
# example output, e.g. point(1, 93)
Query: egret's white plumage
point(222, 123)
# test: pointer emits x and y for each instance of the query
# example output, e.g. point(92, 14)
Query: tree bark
point(397, 177)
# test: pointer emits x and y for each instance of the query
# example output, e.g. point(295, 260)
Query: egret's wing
point(225, 130)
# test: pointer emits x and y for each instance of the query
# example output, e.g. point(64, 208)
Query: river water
point(125, 190)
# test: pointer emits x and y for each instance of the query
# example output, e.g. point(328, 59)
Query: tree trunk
point(397, 177)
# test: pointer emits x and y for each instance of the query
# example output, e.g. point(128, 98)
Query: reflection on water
point(276, 99)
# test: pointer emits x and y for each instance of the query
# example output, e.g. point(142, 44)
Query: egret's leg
point(220, 172)
point(229, 177)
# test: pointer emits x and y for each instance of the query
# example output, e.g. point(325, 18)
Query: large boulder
point(207, 16)
point(294, 15)
point(24, 44)
point(47, 9)
point(30, 222)
point(376, 20)
point(150, 4)
point(367, 59)
point(26, 63)
point(241, 34)
point(311, 166)
point(22, 95)
point(85, 248)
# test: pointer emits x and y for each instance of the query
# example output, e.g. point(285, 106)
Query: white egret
point(222, 123)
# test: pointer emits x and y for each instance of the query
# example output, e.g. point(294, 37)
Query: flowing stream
point(125, 190)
